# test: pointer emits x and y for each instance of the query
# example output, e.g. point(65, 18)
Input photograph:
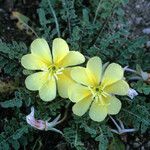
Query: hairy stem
point(97, 10)
point(55, 18)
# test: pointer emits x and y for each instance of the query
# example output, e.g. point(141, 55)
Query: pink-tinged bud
point(38, 124)
point(41, 124)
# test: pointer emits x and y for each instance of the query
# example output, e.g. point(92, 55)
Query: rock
point(148, 44)
point(146, 30)
point(137, 6)
point(138, 20)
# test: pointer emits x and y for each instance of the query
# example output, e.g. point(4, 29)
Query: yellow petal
point(94, 69)
point(82, 106)
point(60, 49)
point(78, 92)
point(79, 74)
point(98, 112)
point(113, 73)
point(35, 81)
point(40, 48)
point(32, 62)
point(104, 100)
point(114, 106)
point(120, 87)
point(71, 59)
point(48, 90)
point(64, 82)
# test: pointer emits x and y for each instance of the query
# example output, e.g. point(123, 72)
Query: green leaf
point(42, 17)
point(103, 142)
point(20, 132)
point(15, 144)
point(11, 103)
point(85, 16)
point(116, 144)
point(142, 87)
point(4, 146)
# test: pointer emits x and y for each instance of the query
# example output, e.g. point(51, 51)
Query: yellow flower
point(96, 88)
point(53, 69)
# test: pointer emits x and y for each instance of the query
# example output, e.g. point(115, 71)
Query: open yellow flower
point(96, 88)
point(53, 69)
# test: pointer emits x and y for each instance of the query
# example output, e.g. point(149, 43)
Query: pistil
point(55, 71)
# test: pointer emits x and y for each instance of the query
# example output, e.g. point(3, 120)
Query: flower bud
point(132, 93)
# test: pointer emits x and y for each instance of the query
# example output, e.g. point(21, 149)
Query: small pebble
point(135, 145)
point(146, 30)
point(138, 20)
point(137, 6)
point(142, 148)
point(148, 144)
point(148, 44)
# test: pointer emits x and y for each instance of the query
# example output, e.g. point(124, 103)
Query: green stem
point(32, 30)
point(35, 143)
point(97, 10)
point(104, 25)
point(55, 18)
point(65, 115)
point(68, 18)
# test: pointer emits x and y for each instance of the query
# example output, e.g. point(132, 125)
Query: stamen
point(49, 76)
point(97, 92)
point(54, 71)
point(56, 76)
point(105, 94)
point(43, 68)
point(96, 99)
point(59, 73)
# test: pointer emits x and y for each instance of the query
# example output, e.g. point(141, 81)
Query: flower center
point(98, 92)
point(55, 71)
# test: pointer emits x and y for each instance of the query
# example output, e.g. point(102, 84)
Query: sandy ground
point(138, 16)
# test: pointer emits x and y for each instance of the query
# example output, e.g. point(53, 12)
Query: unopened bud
point(132, 93)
